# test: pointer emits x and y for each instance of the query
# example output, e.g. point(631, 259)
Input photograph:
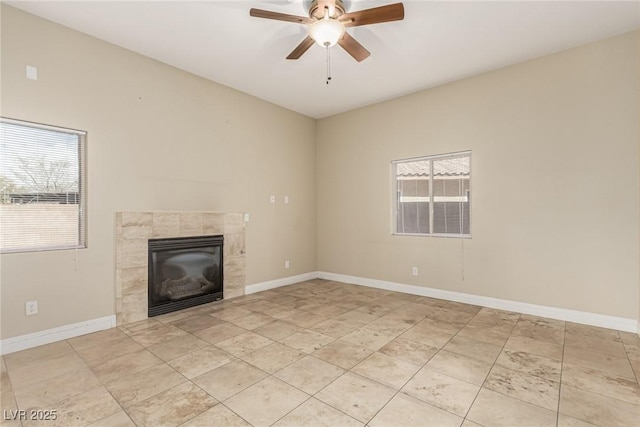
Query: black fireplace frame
point(183, 243)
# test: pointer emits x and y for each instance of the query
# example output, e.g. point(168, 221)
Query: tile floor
point(323, 353)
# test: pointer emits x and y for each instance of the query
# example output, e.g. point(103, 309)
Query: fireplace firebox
point(184, 272)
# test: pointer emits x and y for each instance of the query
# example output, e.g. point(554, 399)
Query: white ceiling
point(437, 42)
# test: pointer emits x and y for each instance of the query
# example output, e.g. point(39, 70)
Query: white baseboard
point(272, 284)
point(23, 342)
point(586, 318)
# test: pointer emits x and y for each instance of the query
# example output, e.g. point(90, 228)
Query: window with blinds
point(432, 195)
point(42, 187)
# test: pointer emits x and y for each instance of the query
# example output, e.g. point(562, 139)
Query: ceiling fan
point(327, 22)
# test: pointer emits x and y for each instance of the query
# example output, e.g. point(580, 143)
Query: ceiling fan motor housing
point(316, 10)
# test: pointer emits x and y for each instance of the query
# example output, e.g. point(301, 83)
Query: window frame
point(82, 241)
point(395, 195)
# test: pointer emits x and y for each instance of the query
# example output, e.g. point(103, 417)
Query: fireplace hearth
point(184, 272)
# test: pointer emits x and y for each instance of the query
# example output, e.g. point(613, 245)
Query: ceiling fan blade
point(376, 15)
point(267, 14)
point(301, 48)
point(353, 48)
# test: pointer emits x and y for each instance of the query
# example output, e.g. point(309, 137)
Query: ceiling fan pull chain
point(328, 65)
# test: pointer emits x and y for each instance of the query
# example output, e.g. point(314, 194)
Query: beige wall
point(158, 139)
point(554, 183)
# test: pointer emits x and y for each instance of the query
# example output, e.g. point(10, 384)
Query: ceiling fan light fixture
point(326, 32)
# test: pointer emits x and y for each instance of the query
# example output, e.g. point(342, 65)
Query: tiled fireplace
point(133, 231)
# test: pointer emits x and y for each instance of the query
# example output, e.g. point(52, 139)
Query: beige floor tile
point(201, 361)
point(407, 411)
point(305, 319)
point(7, 398)
point(445, 392)
point(126, 365)
point(265, 402)
point(144, 384)
point(81, 410)
point(119, 419)
point(532, 389)
point(468, 423)
point(253, 321)
point(219, 333)
point(229, 379)
point(314, 413)
point(343, 353)
point(528, 363)
point(45, 394)
point(611, 348)
point(99, 354)
point(533, 346)
point(197, 323)
point(475, 349)
point(461, 367)
point(169, 350)
point(231, 312)
point(356, 396)
point(496, 335)
point(325, 309)
point(601, 382)
point(577, 331)
point(596, 408)
point(443, 326)
point(172, 407)
point(360, 315)
point(540, 329)
point(567, 421)
point(11, 419)
point(307, 340)
point(277, 330)
point(273, 357)
point(20, 358)
point(101, 338)
point(425, 335)
point(377, 310)
point(140, 325)
point(494, 313)
point(280, 312)
point(368, 338)
point(243, 344)
point(40, 370)
point(618, 366)
point(449, 316)
point(219, 415)
point(386, 370)
point(404, 315)
point(494, 409)
point(335, 328)
point(151, 336)
point(409, 351)
point(389, 326)
point(309, 374)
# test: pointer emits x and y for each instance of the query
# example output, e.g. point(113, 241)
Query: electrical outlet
point(286, 200)
point(286, 264)
point(31, 307)
point(272, 199)
point(246, 217)
point(414, 271)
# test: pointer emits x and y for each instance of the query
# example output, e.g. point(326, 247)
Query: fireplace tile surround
point(134, 229)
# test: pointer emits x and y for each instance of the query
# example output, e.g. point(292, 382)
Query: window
point(432, 195)
point(42, 187)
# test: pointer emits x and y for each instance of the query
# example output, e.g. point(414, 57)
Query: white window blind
point(42, 187)
point(432, 195)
